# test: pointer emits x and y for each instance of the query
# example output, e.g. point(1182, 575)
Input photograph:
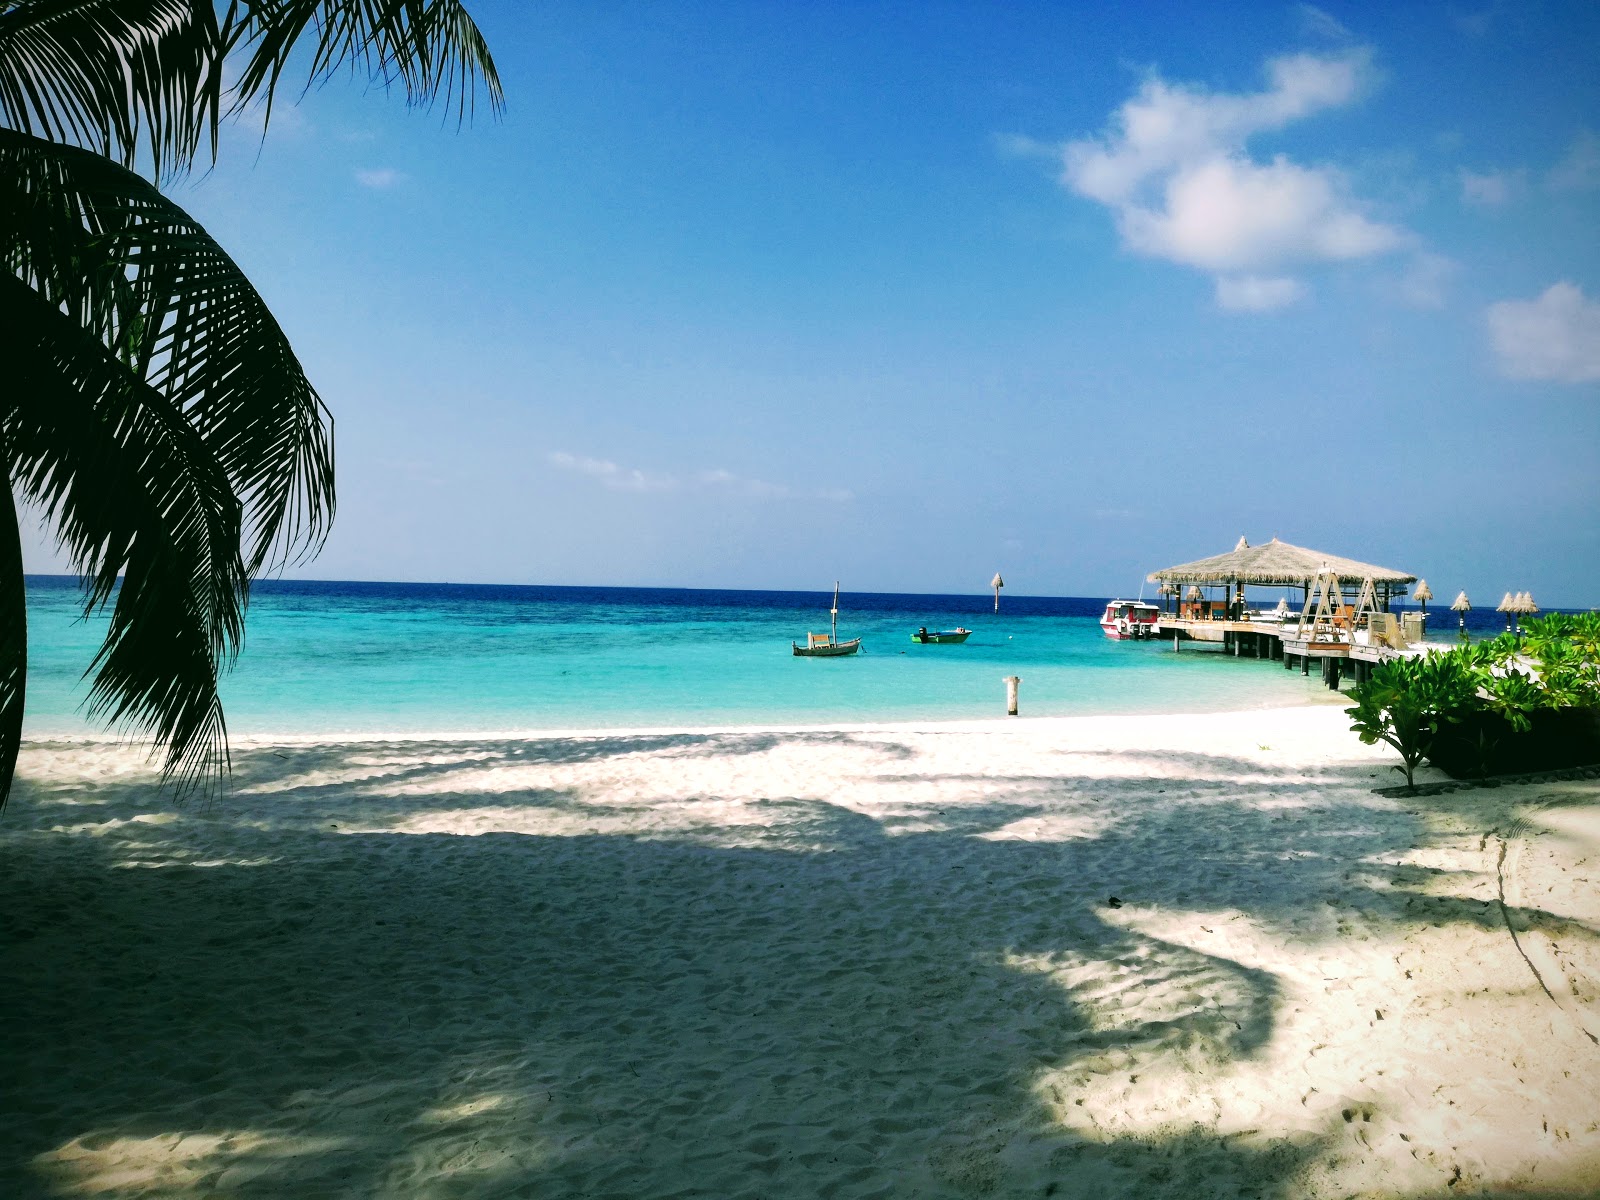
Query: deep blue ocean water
point(406, 658)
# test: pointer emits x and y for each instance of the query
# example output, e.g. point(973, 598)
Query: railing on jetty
point(1287, 641)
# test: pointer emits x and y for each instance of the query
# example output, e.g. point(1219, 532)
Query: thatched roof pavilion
point(1278, 564)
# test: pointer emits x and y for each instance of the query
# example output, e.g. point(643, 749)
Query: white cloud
point(760, 489)
point(618, 478)
point(1425, 281)
point(1556, 337)
point(1020, 145)
point(1321, 24)
point(755, 488)
point(1167, 126)
point(379, 178)
point(629, 479)
point(1230, 214)
point(1579, 171)
point(1252, 293)
point(1492, 189)
point(1173, 168)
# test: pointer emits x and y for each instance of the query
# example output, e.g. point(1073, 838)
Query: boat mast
point(835, 637)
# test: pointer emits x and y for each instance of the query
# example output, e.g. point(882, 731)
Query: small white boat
point(1131, 619)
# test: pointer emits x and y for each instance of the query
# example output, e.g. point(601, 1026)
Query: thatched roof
point(1276, 564)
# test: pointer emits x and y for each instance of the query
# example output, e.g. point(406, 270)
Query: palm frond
point(13, 642)
point(430, 48)
point(140, 276)
point(114, 75)
point(135, 493)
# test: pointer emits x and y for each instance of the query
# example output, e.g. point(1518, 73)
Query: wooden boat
point(820, 645)
point(943, 638)
point(827, 645)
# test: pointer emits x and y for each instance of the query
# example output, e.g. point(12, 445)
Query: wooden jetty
point(1344, 640)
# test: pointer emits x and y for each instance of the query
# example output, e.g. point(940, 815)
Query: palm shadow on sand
point(855, 1004)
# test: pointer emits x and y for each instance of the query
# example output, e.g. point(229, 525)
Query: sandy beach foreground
point(1169, 956)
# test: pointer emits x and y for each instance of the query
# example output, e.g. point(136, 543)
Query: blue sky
point(765, 295)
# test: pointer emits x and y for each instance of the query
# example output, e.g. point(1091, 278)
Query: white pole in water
point(1011, 694)
point(997, 583)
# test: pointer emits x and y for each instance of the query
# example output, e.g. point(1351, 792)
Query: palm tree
point(153, 411)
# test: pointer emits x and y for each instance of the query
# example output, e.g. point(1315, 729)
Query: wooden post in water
point(1011, 694)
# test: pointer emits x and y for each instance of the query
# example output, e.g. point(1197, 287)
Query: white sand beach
point(1178, 956)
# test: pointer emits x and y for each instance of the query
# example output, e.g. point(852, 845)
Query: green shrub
point(1406, 701)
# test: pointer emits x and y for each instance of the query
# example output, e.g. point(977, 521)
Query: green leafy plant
point(1502, 681)
point(1406, 700)
point(1515, 696)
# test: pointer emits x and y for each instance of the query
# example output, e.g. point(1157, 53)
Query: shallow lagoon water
point(408, 658)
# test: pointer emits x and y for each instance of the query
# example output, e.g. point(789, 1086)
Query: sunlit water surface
point(374, 657)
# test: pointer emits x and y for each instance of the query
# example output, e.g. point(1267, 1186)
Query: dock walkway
point(1281, 641)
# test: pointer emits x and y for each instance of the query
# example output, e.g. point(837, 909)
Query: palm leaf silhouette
point(158, 415)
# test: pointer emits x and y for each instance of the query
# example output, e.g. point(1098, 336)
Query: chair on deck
point(813, 640)
point(1386, 631)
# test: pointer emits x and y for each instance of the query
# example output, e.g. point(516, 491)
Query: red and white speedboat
point(1131, 619)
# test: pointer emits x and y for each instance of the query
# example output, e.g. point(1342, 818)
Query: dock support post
point(1011, 694)
point(1305, 664)
point(1288, 662)
point(1174, 643)
point(1333, 673)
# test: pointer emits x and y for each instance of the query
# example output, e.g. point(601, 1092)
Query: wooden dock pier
point(1345, 641)
point(1285, 642)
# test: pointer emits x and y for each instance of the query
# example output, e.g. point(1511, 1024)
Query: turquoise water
point(365, 657)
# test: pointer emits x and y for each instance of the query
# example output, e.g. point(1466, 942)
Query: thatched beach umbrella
point(1194, 593)
point(1525, 606)
point(997, 583)
point(1422, 593)
point(1519, 606)
point(1507, 605)
point(1462, 606)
